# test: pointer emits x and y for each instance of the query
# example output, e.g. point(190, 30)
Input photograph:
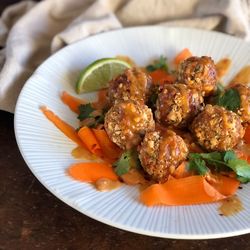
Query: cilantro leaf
point(229, 100)
point(158, 64)
point(85, 111)
point(122, 166)
point(242, 179)
point(223, 161)
point(229, 155)
point(193, 156)
point(129, 159)
point(199, 166)
point(240, 167)
point(213, 156)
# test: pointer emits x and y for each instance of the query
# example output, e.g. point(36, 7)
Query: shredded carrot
point(183, 55)
point(109, 149)
point(160, 76)
point(184, 191)
point(90, 141)
point(64, 127)
point(71, 101)
point(91, 171)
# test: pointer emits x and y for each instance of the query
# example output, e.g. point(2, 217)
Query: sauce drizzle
point(230, 206)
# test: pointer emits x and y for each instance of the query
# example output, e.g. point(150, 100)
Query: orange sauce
point(230, 206)
point(222, 67)
point(243, 76)
point(105, 184)
point(133, 177)
point(82, 153)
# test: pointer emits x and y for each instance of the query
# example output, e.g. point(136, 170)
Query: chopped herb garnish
point(200, 163)
point(129, 159)
point(199, 166)
point(86, 111)
point(230, 100)
point(241, 168)
point(161, 63)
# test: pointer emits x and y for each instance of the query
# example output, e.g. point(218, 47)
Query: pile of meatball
point(180, 106)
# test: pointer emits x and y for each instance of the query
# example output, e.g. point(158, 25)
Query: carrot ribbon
point(188, 191)
point(183, 55)
point(91, 171)
point(160, 76)
point(72, 102)
point(109, 149)
point(64, 127)
point(90, 141)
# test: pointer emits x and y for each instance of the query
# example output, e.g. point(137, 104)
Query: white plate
point(47, 151)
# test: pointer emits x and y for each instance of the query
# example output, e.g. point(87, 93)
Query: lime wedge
point(97, 75)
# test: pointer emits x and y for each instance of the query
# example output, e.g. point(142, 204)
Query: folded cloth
point(30, 32)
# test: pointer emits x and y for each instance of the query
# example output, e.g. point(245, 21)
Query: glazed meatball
point(127, 122)
point(177, 105)
point(244, 111)
point(161, 153)
point(198, 73)
point(133, 84)
point(217, 129)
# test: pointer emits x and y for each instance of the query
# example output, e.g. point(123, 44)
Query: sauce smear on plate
point(230, 206)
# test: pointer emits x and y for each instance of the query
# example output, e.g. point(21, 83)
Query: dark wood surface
point(32, 218)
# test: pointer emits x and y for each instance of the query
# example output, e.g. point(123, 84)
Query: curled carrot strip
point(91, 171)
point(90, 141)
point(109, 149)
point(160, 76)
point(71, 101)
point(184, 191)
point(183, 55)
point(225, 185)
point(64, 127)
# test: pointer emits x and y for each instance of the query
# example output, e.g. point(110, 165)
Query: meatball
point(161, 153)
point(133, 84)
point(217, 129)
point(127, 122)
point(244, 110)
point(177, 105)
point(198, 73)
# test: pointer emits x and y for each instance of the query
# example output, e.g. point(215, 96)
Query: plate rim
point(84, 211)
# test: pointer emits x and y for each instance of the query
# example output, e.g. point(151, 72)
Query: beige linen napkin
point(30, 32)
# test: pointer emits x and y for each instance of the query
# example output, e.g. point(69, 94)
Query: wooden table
point(32, 218)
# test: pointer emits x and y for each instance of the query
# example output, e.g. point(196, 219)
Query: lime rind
point(97, 75)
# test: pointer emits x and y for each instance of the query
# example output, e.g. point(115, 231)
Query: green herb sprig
point(86, 111)
point(229, 99)
point(128, 160)
point(161, 63)
point(227, 160)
